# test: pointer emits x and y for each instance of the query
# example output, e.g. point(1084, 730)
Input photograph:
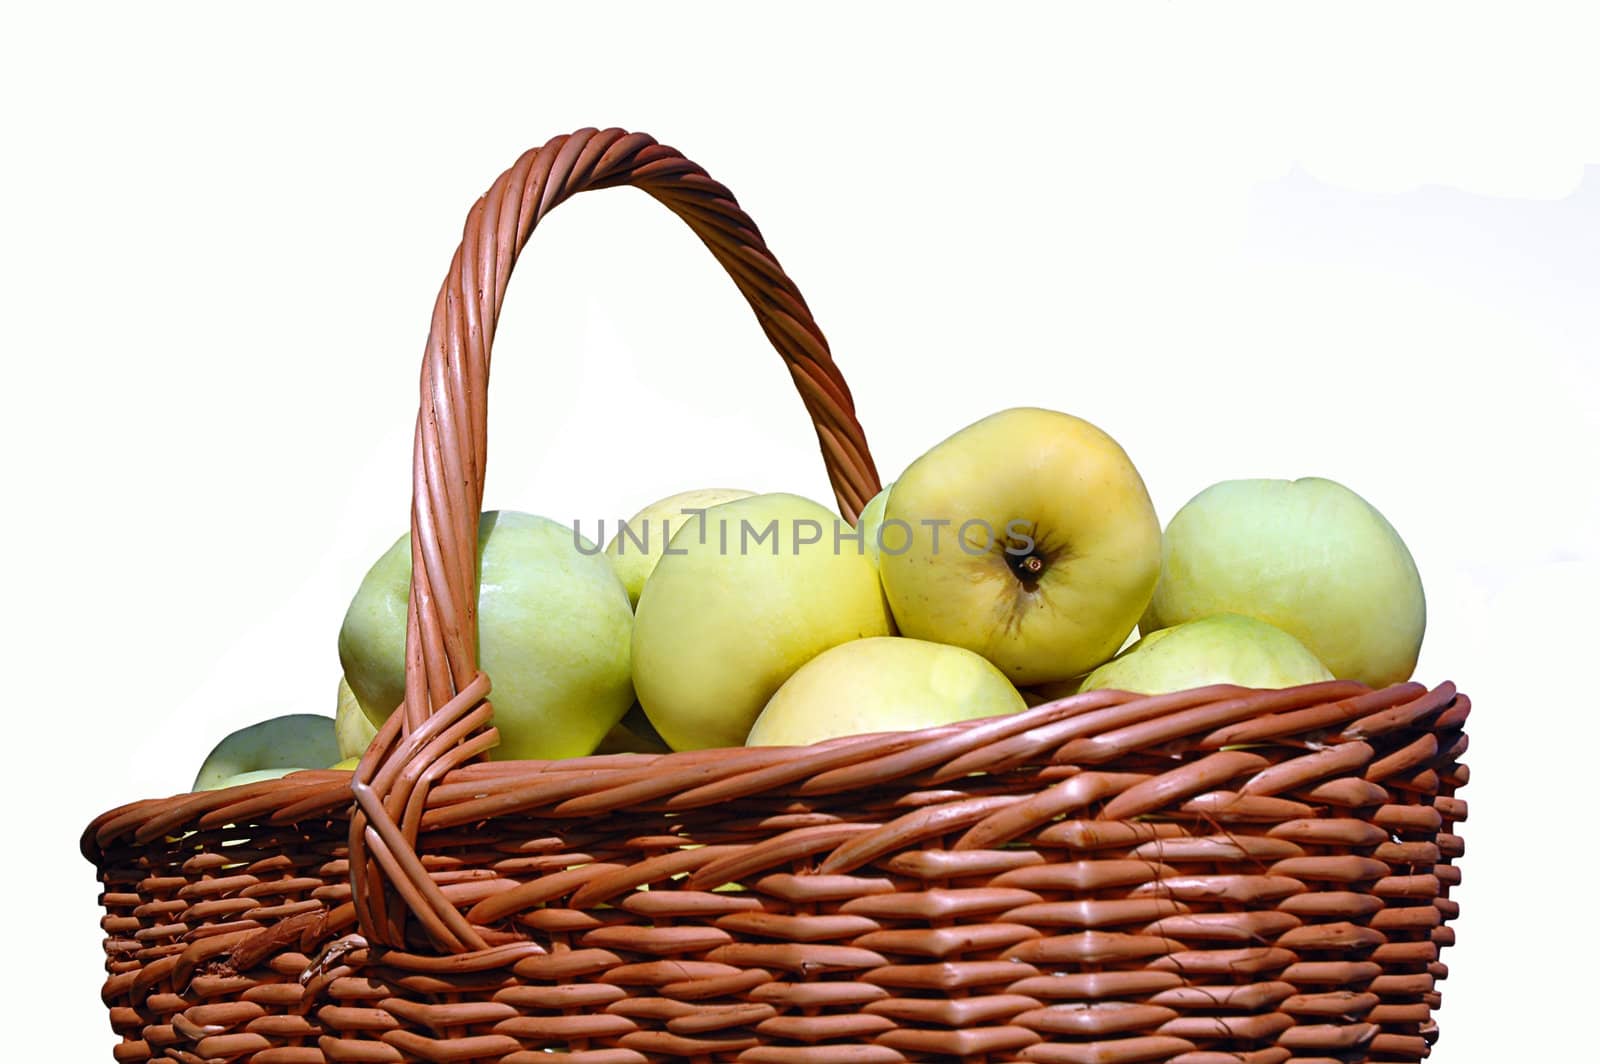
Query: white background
point(1357, 241)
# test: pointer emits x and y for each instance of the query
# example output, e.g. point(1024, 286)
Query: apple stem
point(1027, 568)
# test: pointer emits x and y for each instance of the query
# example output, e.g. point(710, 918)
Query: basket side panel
point(1280, 898)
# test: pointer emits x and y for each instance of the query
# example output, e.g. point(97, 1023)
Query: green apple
point(255, 776)
point(554, 632)
point(871, 521)
point(1032, 541)
point(869, 524)
point(1309, 556)
point(287, 743)
point(882, 684)
point(744, 597)
point(351, 724)
point(1222, 648)
point(633, 734)
point(639, 541)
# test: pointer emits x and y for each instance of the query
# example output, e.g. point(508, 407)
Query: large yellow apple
point(554, 632)
point(1222, 648)
point(1309, 556)
point(1032, 541)
point(883, 684)
point(638, 543)
point(741, 599)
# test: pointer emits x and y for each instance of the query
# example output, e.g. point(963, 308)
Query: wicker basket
point(1213, 876)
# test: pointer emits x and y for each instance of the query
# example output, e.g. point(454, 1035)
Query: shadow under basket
point(1215, 876)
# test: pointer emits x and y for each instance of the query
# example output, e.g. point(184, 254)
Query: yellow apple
point(882, 684)
point(639, 541)
point(1309, 556)
point(1222, 648)
point(1039, 694)
point(1030, 540)
point(287, 743)
point(351, 724)
point(741, 599)
point(554, 630)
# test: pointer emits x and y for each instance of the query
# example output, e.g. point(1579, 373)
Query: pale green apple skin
point(289, 742)
point(883, 684)
point(255, 776)
point(871, 520)
point(653, 527)
point(1080, 495)
point(1222, 648)
point(351, 725)
point(1309, 556)
point(718, 631)
point(868, 524)
point(554, 636)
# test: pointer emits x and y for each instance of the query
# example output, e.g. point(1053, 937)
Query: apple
point(255, 776)
point(746, 595)
point(885, 683)
point(1056, 690)
point(1222, 648)
point(639, 541)
point(1039, 694)
point(633, 734)
point(870, 523)
point(287, 743)
point(351, 724)
point(1032, 541)
point(1309, 556)
point(554, 630)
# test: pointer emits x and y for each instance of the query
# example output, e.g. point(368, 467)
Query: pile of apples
point(1007, 566)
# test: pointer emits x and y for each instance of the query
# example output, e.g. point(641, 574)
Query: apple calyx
point(1028, 557)
point(1028, 568)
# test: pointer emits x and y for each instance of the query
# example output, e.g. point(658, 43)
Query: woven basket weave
point(1210, 877)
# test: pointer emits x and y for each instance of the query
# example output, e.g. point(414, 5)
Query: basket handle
point(445, 719)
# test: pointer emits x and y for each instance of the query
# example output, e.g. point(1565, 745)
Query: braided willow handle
point(445, 719)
